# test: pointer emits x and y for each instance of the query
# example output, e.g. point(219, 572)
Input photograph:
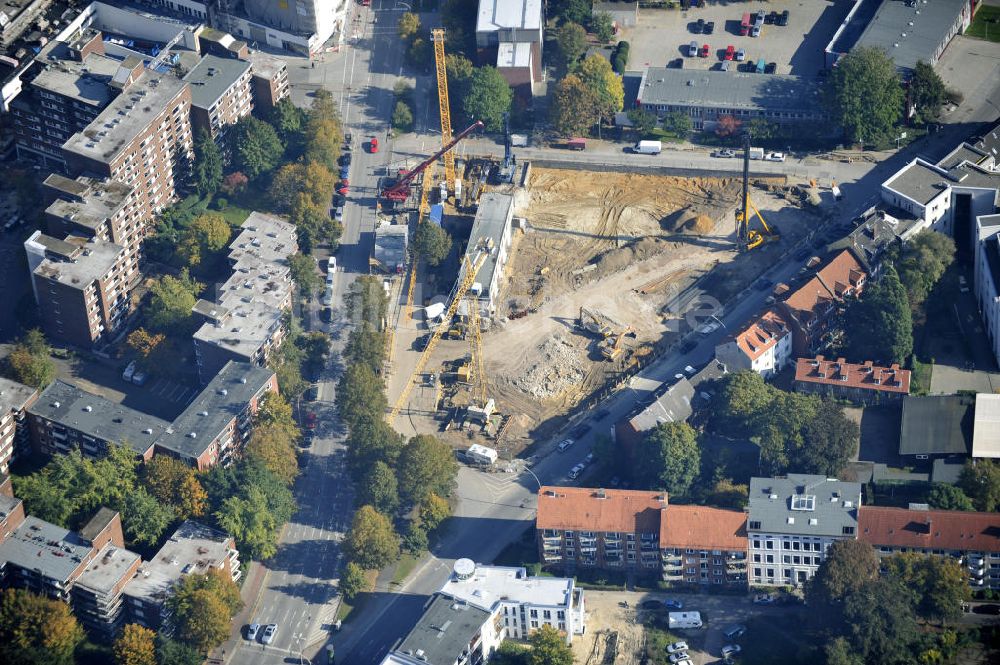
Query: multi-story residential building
point(809, 308)
point(220, 94)
point(192, 550)
point(72, 84)
point(791, 523)
point(268, 81)
point(15, 398)
point(142, 138)
point(701, 545)
point(212, 430)
point(765, 346)
point(580, 528)
point(673, 405)
point(215, 427)
point(447, 633)
point(82, 287)
point(246, 321)
point(970, 538)
point(518, 605)
point(492, 231)
point(864, 383)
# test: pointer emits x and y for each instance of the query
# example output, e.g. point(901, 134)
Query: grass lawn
point(404, 568)
point(921, 377)
point(986, 25)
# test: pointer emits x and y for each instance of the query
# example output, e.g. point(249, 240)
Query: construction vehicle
point(509, 164)
point(612, 347)
point(398, 190)
point(598, 323)
point(466, 278)
point(746, 237)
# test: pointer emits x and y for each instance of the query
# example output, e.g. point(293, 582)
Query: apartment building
point(220, 94)
point(447, 633)
point(212, 430)
point(82, 287)
point(509, 36)
point(791, 523)
point(246, 320)
point(193, 549)
point(701, 545)
point(972, 539)
point(596, 528)
point(142, 138)
point(71, 85)
point(491, 229)
point(809, 308)
point(14, 438)
point(215, 427)
point(863, 383)
point(268, 81)
point(673, 405)
point(765, 346)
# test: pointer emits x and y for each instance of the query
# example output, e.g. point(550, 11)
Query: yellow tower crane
point(465, 281)
point(444, 106)
point(479, 374)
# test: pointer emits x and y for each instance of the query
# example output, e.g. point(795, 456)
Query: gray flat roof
point(194, 548)
point(446, 628)
point(918, 181)
point(126, 117)
point(963, 153)
point(266, 66)
point(85, 82)
point(224, 398)
point(729, 90)
point(936, 425)
point(89, 202)
point(13, 396)
point(390, 245)
point(95, 261)
point(673, 406)
point(492, 217)
point(496, 14)
point(986, 432)
point(925, 27)
point(91, 414)
point(40, 546)
point(212, 77)
point(107, 569)
point(989, 142)
point(832, 507)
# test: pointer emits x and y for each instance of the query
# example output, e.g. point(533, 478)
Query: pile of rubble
point(558, 366)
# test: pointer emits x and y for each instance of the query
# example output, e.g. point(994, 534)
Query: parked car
point(343, 189)
point(602, 414)
point(733, 631)
point(771, 68)
point(420, 343)
point(709, 27)
point(252, 631)
point(139, 378)
point(269, 631)
point(688, 347)
point(730, 649)
point(672, 604)
point(373, 145)
point(129, 372)
point(312, 393)
point(679, 657)
point(692, 49)
point(698, 26)
point(579, 431)
point(764, 599)
point(730, 52)
point(345, 171)
point(307, 440)
point(310, 420)
point(771, 18)
point(724, 153)
point(345, 159)
point(677, 63)
point(704, 51)
point(339, 214)
point(774, 157)
point(575, 472)
point(708, 328)
point(741, 55)
point(677, 647)
point(963, 285)
point(589, 459)
point(783, 18)
point(565, 445)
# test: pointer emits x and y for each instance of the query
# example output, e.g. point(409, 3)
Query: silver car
point(269, 631)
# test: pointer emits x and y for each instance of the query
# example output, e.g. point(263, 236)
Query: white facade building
point(765, 346)
point(791, 523)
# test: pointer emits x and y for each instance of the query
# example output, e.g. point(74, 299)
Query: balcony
point(673, 564)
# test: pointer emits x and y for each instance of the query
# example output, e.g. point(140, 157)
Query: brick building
point(702, 545)
point(220, 94)
point(14, 438)
point(864, 383)
point(268, 81)
point(809, 308)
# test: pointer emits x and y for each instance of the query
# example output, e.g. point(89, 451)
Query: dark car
point(326, 314)
point(986, 609)
point(345, 159)
point(783, 18)
point(307, 440)
point(698, 27)
point(602, 414)
point(688, 347)
point(771, 18)
point(579, 432)
point(770, 68)
point(312, 393)
point(337, 201)
point(710, 27)
point(762, 284)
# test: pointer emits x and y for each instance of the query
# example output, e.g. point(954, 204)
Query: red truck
point(577, 144)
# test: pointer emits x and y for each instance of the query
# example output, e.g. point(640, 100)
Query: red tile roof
point(929, 529)
point(762, 334)
point(701, 528)
point(849, 375)
point(810, 301)
point(581, 508)
point(841, 277)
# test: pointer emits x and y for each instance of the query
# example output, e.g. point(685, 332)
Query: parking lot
point(662, 36)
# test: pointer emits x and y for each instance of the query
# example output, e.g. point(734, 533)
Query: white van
point(575, 472)
point(129, 372)
point(678, 620)
point(565, 445)
point(648, 148)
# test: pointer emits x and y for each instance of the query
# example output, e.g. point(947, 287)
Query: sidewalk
point(250, 593)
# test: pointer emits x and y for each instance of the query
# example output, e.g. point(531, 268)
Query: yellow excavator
point(748, 238)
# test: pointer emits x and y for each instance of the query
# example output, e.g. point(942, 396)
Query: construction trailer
point(479, 454)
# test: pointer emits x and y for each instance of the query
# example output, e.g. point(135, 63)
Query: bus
point(745, 25)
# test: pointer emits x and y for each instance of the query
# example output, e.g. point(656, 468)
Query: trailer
point(484, 455)
point(680, 620)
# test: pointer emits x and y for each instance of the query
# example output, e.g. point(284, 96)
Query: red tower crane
point(399, 190)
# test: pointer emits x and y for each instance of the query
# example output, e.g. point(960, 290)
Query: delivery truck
point(648, 148)
point(756, 153)
point(679, 620)
point(482, 455)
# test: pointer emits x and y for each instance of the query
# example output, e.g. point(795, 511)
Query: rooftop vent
point(192, 435)
point(203, 413)
point(55, 405)
point(88, 408)
point(148, 430)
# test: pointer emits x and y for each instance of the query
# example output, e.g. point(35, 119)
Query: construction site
point(567, 279)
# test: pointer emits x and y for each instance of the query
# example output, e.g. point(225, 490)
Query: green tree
point(379, 489)
point(923, 261)
point(286, 184)
point(415, 538)
point(367, 346)
point(288, 121)
point(360, 393)
point(573, 108)
point(202, 607)
point(881, 622)
point(727, 494)
point(402, 118)
point(426, 464)
point(323, 138)
point(603, 27)
point(144, 517)
point(879, 325)
point(170, 303)
point(488, 98)
point(353, 581)
point(305, 274)
point(597, 75)
point(643, 121)
point(980, 480)
point(571, 40)
point(944, 496)
point(35, 630)
point(172, 652)
point(30, 361)
point(548, 647)
point(274, 447)
point(743, 397)
point(849, 565)
point(431, 243)
point(577, 11)
point(927, 91)
point(840, 652)
point(372, 440)
point(939, 585)
point(237, 480)
point(135, 646)
point(433, 511)
point(176, 484)
point(206, 170)
point(831, 439)
point(679, 123)
point(371, 543)
point(669, 458)
point(254, 146)
point(208, 233)
point(864, 95)
point(247, 519)
point(409, 26)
